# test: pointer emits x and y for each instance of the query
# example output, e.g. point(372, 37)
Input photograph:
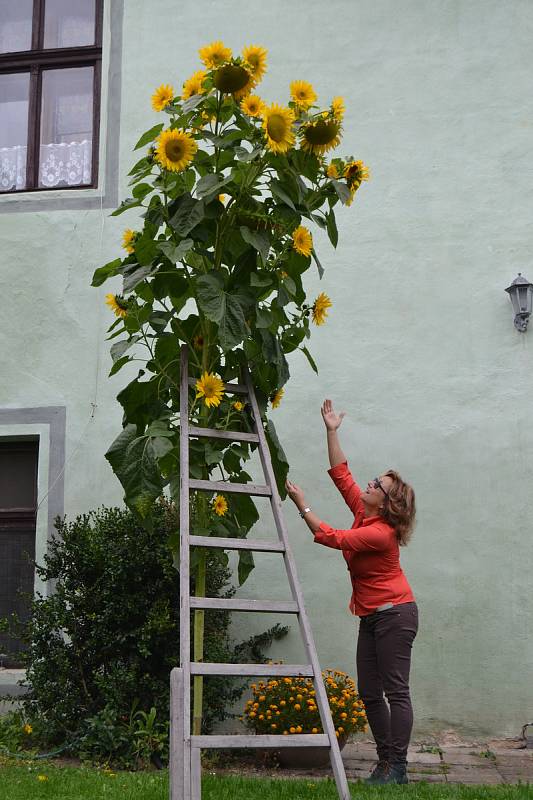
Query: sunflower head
point(214, 54)
point(219, 505)
point(162, 96)
point(338, 108)
point(277, 124)
point(198, 341)
point(303, 95)
point(356, 172)
point(211, 388)
point(321, 135)
point(332, 170)
point(233, 78)
point(175, 150)
point(252, 105)
point(193, 85)
point(320, 308)
point(302, 241)
point(256, 58)
point(275, 397)
point(117, 304)
point(238, 406)
point(128, 240)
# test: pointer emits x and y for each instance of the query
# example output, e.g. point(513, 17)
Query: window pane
point(14, 101)
point(66, 127)
point(69, 23)
point(15, 25)
point(18, 475)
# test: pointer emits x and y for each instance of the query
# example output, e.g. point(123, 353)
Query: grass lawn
point(21, 782)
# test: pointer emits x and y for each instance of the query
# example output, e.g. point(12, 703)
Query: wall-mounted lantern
point(521, 294)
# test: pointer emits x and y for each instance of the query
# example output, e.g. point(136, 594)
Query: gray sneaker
point(379, 774)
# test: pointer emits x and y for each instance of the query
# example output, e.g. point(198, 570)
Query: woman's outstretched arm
point(332, 421)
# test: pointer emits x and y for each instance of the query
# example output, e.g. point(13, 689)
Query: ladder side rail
point(305, 627)
point(176, 751)
point(185, 619)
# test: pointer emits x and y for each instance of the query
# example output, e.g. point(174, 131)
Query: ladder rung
point(221, 604)
point(232, 388)
point(237, 544)
point(214, 433)
point(261, 740)
point(228, 486)
point(265, 670)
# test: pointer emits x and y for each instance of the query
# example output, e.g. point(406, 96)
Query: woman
point(383, 519)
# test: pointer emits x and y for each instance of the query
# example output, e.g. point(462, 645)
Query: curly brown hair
point(399, 507)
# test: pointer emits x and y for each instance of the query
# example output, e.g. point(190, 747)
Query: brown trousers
point(383, 663)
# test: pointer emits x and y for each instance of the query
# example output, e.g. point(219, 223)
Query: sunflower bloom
point(162, 96)
point(338, 108)
point(256, 57)
point(302, 241)
point(211, 388)
point(128, 240)
point(234, 79)
point(175, 150)
point(198, 341)
point(214, 54)
point(238, 406)
point(355, 173)
point(253, 106)
point(275, 398)
point(320, 136)
point(303, 94)
point(332, 171)
point(42, 778)
point(277, 123)
point(117, 304)
point(320, 308)
point(27, 729)
point(220, 505)
point(193, 85)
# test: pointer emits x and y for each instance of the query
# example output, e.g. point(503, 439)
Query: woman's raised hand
point(332, 420)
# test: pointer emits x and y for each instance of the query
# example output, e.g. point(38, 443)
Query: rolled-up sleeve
point(366, 538)
point(343, 480)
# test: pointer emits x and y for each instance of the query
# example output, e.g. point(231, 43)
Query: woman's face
point(376, 491)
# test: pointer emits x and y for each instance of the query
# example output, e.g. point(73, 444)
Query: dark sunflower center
point(231, 78)
point(277, 127)
point(174, 150)
point(321, 132)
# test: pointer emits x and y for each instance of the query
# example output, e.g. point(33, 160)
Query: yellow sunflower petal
point(215, 54)
point(320, 308)
point(256, 57)
point(303, 94)
point(193, 85)
point(275, 399)
point(338, 108)
point(175, 150)
point(162, 96)
point(117, 304)
point(302, 241)
point(128, 240)
point(277, 124)
point(211, 388)
point(320, 136)
point(253, 106)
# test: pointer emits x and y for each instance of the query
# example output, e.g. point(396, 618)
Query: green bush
point(101, 647)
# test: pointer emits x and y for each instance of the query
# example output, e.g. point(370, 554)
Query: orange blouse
point(370, 548)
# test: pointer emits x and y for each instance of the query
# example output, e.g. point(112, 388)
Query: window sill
point(55, 199)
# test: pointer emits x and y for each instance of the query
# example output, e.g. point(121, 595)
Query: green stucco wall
point(419, 348)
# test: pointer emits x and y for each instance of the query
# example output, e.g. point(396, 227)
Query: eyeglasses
point(378, 485)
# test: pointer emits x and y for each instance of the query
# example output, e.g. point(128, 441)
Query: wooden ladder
point(184, 762)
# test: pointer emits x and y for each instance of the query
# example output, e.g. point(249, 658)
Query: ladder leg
point(339, 772)
point(179, 753)
point(196, 774)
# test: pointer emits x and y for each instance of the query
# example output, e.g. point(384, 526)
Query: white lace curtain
point(65, 164)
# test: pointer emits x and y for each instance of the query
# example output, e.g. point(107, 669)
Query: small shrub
point(101, 647)
point(288, 705)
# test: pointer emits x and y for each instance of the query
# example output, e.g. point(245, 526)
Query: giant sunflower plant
point(229, 186)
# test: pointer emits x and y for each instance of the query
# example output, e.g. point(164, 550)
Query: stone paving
point(447, 759)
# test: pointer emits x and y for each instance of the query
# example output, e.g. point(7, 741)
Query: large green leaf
point(278, 457)
point(107, 271)
point(258, 239)
point(130, 202)
point(145, 249)
point(332, 228)
point(188, 213)
point(226, 309)
point(149, 136)
point(210, 185)
point(246, 565)
point(175, 252)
